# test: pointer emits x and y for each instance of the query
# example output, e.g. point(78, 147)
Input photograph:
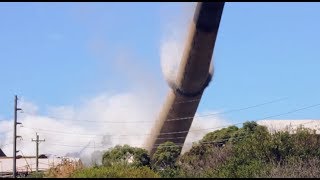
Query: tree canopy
point(126, 155)
point(247, 151)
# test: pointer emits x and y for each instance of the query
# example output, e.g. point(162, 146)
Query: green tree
point(221, 136)
point(228, 152)
point(250, 154)
point(165, 157)
point(203, 158)
point(126, 155)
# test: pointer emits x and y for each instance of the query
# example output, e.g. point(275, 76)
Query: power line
point(208, 142)
point(296, 110)
point(225, 112)
point(63, 132)
point(60, 144)
point(289, 112)
point(182, 144)
point(178, 144)
point(73, 145)
point(25, 160)
point(174, 119)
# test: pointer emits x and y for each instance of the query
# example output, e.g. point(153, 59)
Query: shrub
point(64, 169)
point(36, 175)
point(115, 171)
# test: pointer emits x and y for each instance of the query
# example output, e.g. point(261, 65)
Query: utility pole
point(15, 136)
point(37, 150)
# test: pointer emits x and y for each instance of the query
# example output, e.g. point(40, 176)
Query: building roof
point(2, 153)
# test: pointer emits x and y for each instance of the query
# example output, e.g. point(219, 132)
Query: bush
point(166, 155)
point(251, 151)
point(115, 171)
point(203, 158)
point(36, 175)
point(64, 170)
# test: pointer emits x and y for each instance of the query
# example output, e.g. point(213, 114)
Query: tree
point(203, 157)
point(250, 126)
point(126, 155)
point(166, 155)
point(164, 159)
point(221, 136)
point(228, 152)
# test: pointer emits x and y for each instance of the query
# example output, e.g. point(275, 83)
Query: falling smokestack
point(193, 77)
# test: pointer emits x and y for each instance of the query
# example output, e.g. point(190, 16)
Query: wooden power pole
point(37, 150)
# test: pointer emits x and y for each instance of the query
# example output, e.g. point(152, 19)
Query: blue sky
point(55, 54)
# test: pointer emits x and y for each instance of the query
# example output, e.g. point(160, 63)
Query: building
point(290, 125)
point(27, 164)
point(2, 153)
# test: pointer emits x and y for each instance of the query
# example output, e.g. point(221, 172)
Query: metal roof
point(2, 153)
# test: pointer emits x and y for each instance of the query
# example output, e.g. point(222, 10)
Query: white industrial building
point(26, 165)
point(290, 125)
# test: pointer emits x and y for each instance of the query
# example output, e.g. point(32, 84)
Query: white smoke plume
point(71, 132)
point(173, 41)
point(171, 52)
point(118, 119)
point(203, 125)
